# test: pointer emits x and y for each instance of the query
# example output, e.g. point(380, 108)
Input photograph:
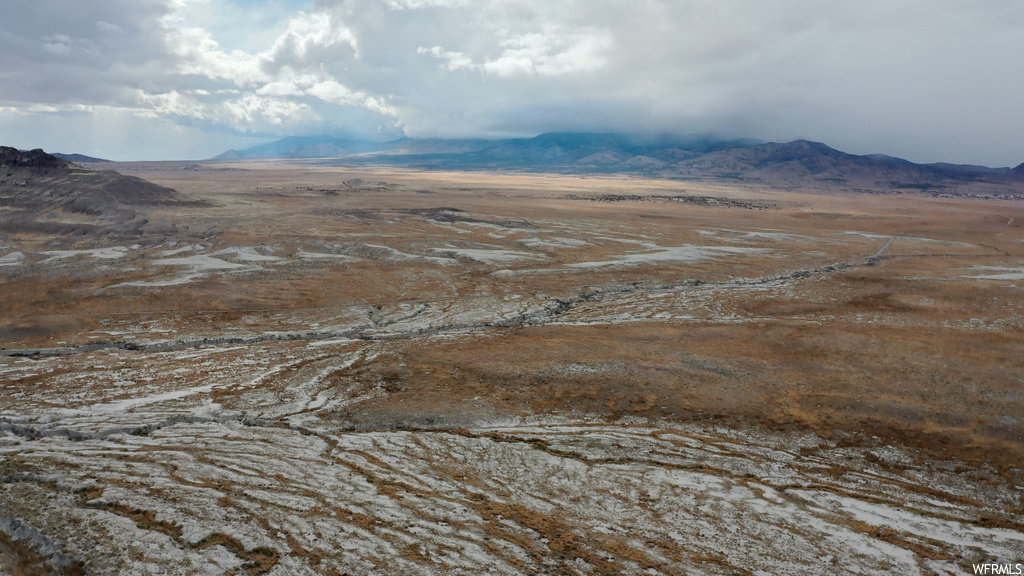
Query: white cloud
point(929, 79)
point(417, 4)
point(311, 33)
point(280, 88)
point(548, 53)
point(252, 109)
point(335, 93)
point(551, 53)
point(454, 60)
point(199, 54)
point(107, 28)
point(248, 112)
point(169, 103)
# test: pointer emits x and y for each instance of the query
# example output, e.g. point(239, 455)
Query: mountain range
point(688, 157)
point(545, 150)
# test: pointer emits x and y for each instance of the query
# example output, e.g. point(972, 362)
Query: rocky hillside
point(40, 192)
point(805, 161)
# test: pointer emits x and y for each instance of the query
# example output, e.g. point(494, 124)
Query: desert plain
point(326, 370)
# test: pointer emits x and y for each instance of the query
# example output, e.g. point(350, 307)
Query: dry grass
point(906, 349)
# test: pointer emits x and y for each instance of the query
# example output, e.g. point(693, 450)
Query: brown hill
point(40, 192)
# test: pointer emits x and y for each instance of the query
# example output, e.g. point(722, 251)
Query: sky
point(926, 80)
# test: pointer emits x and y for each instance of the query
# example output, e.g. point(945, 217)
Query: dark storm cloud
point(57, 52)
point(930, 80)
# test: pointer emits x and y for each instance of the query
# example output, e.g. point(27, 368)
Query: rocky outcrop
point(41, 192)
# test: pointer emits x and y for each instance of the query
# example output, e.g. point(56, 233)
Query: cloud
point(151, 59)
point(930, 80)
point(311, 34)
point(453, 60)
point(551, 52)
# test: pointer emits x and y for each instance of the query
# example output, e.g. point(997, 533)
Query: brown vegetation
point(300, 307)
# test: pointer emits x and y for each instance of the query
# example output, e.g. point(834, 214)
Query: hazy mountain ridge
point(79, 158)
point(302, 147)
point(596, 151)
point(702, 156)
point(802, 160)
point(546, 148)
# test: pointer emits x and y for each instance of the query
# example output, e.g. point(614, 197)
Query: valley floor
point(327, 372)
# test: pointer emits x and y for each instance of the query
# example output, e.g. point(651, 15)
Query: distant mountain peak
point(887, 158)
point(805, 146)
point(322, 146)
point(78, 158)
